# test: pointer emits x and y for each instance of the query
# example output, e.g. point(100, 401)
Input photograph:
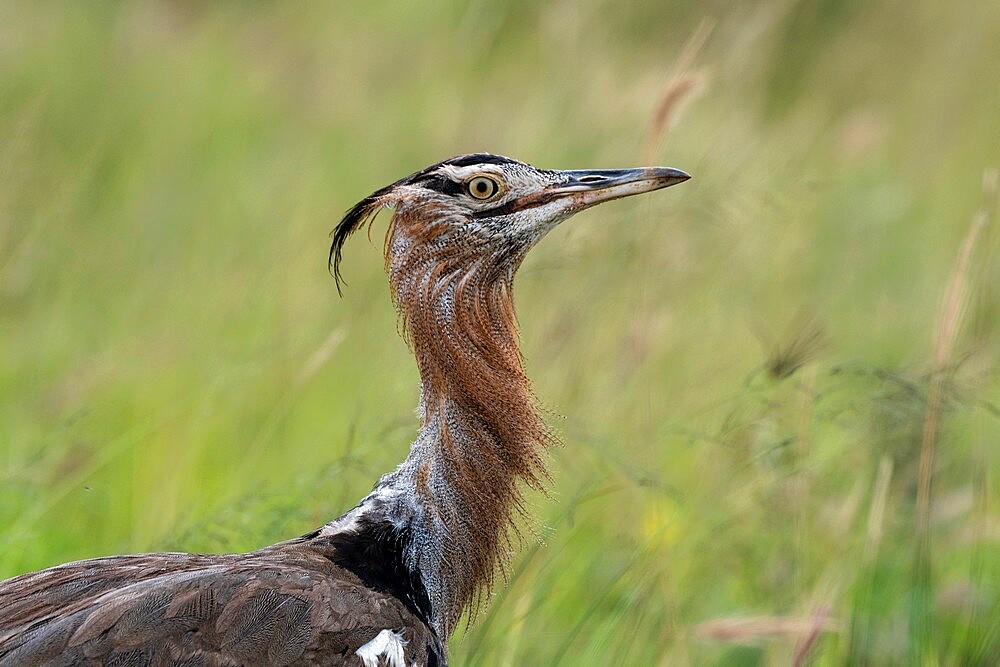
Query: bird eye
point(483, 187)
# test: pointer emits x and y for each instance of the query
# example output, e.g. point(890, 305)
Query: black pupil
point(483, 187)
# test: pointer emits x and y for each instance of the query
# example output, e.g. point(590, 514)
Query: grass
point(745, 369)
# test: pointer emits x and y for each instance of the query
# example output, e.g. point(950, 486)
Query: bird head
point(483, 212)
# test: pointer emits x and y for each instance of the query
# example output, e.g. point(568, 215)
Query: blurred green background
point(744, 369)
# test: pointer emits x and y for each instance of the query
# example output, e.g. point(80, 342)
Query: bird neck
point(456, 496)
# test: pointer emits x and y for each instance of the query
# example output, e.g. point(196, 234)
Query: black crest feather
point(352, 221)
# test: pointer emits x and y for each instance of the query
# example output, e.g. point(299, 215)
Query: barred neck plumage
point(482, 439)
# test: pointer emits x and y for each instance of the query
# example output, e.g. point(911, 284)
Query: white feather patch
point(461, 173)
point(387, 644)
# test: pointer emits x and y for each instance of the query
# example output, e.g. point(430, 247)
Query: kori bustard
point(385, 582)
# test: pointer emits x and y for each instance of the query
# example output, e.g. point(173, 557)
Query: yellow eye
point(483, 187)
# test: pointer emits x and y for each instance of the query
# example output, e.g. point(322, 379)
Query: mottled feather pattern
point(285, 605)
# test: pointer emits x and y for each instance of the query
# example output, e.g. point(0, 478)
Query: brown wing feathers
point(285, 605)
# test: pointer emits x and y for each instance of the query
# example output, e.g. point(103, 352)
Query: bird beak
point(587, 187)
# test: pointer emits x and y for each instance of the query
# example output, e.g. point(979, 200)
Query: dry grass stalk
point(755, 629)
point(948, 326)
point(683, 81)
point(809, 639)
point(320, 356)
point(947, 331)
point(876, 514)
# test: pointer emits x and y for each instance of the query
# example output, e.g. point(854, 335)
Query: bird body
point(386, 582)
